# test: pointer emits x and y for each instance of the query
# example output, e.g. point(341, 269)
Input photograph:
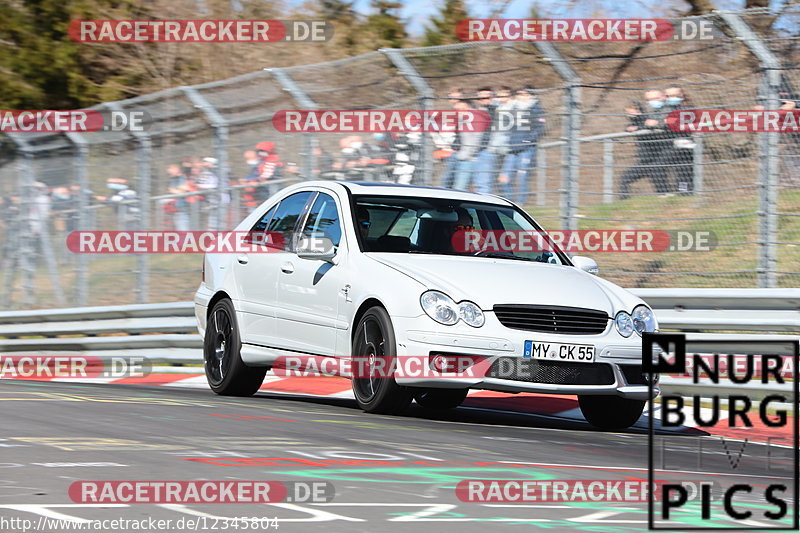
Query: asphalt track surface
point(54, 434)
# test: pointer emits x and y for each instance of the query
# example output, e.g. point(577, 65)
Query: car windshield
point(410, 224)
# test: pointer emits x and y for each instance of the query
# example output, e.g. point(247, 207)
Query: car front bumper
point(615, 371)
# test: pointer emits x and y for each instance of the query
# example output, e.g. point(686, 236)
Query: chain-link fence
point(596, 163)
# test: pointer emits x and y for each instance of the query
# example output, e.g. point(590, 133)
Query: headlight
point(643, 319)
point(624, 324)
point(471, 314)
point(439, 307)
point(444, 310)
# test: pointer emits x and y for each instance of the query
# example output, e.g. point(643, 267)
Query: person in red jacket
point(269, 169)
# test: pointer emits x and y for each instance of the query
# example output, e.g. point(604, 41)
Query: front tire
point(374, 352)
point(441, 398)
point(226, 373)
point(610, 412)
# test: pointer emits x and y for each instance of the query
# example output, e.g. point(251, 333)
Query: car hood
point(489, 281)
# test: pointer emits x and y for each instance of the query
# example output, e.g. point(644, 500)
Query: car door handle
point(287, 268)
point(242, 259)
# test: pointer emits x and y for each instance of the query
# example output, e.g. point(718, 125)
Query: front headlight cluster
point(444, 310)
point(641, 320)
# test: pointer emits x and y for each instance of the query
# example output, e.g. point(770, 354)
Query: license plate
point(555, 351)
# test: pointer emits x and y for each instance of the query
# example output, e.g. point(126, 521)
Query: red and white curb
point(549, 405)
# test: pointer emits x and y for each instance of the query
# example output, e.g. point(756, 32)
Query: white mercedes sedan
point(385, 283)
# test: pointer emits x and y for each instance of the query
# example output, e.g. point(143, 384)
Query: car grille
point(552, 319)
point(551, 372)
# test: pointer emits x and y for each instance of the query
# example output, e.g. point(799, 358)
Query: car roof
point(375, 188)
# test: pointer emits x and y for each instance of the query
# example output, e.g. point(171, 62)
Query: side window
point(283, 221)
point(323, 219)
point(263, 222)
point(256, 234)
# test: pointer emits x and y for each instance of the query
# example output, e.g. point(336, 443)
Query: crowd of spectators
point(663, 155)
point(499, 159)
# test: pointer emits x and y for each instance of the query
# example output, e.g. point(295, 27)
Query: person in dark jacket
point(679, 155)
point(527, 129)
point(790, 145)
point(483, 166)
point(650, 147)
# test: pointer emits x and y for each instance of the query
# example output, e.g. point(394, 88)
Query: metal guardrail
point(167, 333)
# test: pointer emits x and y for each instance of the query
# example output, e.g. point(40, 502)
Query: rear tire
point(226, 373)
point(374, 344)
point(441, 398)
point(610, 412)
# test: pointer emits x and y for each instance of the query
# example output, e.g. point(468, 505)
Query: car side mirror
point(587, 264)
point(314, 247)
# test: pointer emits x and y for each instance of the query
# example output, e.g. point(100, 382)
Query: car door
point(257, 272)
point(310, 291)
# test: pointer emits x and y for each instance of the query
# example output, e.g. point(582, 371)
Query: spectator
point(268, 169)
point(62, 205)
point(501, 137)
point(126, 199)
point(406, 148)
point(380, 151)
point(209, 180)
point(251, 196)
point(323, 159)
point(187, 167)
point(252, 162)
point(75, 193)
point(468, 143)
point(40, 208)
point(680, 154)
point(178, 183)
point(790, 146)
point(648, 153)
point(447, 145)
point(483, 167)
point(527, 129)
point(657, 144)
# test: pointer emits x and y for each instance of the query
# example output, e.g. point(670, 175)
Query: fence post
point(572, 131)
point(144, 175)
point(426, 96)
point(768, 159)
point(541, 177)
point(27, 254)
point(608, 171)
point(697, 170)
point(20, 232)
point(305, 102)
point(82, 181)
point(220, 126)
